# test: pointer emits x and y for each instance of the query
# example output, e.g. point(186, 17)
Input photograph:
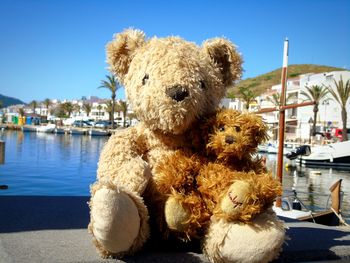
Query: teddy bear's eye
point(202, 84)
point(221, 128)
point(238, 129)
point(145, 78)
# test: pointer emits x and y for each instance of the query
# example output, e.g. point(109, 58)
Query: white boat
point(77, 131)
point(47, 128)
point(291, 207)
point(335, 155)
point(60, 131)
point(28, 128)
point(98, 132)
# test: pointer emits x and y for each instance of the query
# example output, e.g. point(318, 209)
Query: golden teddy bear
point(170, 83)
point(227, 182)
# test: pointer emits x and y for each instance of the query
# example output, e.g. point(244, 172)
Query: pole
point(282, 118)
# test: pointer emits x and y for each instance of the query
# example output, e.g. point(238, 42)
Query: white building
point(299, 120)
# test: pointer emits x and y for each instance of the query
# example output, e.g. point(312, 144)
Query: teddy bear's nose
point(177, 93)
point(229, 139)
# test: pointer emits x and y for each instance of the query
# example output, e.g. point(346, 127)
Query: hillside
point(261, 83)
point(7, 101)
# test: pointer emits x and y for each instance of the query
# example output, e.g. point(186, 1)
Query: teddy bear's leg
point(257, 242)
point(118, 220)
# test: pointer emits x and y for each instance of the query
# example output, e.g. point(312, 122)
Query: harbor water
point(65, 165)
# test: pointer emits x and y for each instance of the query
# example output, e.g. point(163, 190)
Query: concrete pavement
point(53, 229)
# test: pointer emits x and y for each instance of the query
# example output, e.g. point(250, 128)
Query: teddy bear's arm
point(175, 179)
point(122, 163)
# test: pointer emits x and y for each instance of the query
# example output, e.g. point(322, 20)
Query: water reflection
point(49, 164)
point(312, 184)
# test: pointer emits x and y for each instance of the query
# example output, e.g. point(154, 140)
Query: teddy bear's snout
point(177, 93)
point(230, 139)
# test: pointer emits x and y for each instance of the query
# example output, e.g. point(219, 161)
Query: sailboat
point(290, 206)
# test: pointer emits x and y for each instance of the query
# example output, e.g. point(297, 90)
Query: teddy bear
point(170, 83)
point(221, 187)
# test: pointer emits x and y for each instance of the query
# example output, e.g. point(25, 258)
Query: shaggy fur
point(204, 185)
point(170, 83)
point(150, 69)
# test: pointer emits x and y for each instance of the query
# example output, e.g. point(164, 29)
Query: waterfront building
point(299, 120)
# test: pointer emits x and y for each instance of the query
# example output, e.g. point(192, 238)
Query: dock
point(54, 229)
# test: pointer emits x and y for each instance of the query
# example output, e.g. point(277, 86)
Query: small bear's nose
point(229, 139)
point(177, 93)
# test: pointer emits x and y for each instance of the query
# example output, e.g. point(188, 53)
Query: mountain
point(8, 101)
point(263, 82)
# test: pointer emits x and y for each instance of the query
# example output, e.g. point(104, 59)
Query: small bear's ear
point(225, 56)
point(120, 51)
point(259, 129)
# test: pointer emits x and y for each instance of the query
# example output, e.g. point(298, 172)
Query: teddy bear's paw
point(235, 199)
point(115, 222)
point(176, 216)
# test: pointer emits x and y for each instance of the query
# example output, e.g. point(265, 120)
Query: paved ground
point(53, 229)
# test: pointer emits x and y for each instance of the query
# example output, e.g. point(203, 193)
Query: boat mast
point(282, 108)
point(282, 117)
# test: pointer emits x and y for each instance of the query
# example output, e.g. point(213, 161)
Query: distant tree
point(21, 112)
point(123, 107)
point(47, 102)
point(87, 108)
point(315, 93)
point(33, 104)
point(68, 108)
point(110, 110)
point(275, 98)
point(247, 95)
point(131, 116)
point(76, 108)
point(1, 104)
point(112, 85)
point(99, 108)
point(342, 95)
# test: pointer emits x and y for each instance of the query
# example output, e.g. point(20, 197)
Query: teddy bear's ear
point(260, 130)
point(121, 50)
point(224, 54)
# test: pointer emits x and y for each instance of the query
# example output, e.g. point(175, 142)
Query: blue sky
point(55, 49)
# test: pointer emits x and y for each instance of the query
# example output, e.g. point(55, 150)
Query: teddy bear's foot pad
point(115, 221)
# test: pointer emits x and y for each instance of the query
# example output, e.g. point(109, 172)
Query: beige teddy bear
point(170, 83)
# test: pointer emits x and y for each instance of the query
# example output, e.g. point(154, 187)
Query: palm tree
point(123, 107)
point(21, 112)
point(131, 116)
point(47, 102)
point(99, 108)
point(247, 95)
point(68, 108)
point(76, 108)
point(275, 98)
point(33, 104)
point(110, 110)
point(87, 108)
point(112, 84)
point(315, 93)
point(342, 96)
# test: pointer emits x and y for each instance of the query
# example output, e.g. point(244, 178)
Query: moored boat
point(336, 155)
point(77, 131)
point(292, 207)
point(46, 128)
point(98, 132)
point(28, 128)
